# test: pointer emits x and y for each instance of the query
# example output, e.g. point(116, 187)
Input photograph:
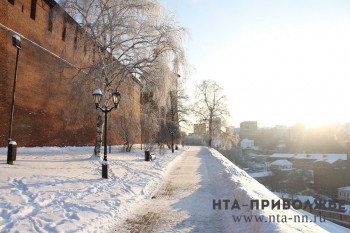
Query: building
point(52, 107)
point(344, 194)
point(281, 170)
point(307, 161)
point(280, 156)
point(281, 165)
point(329, 175)
point(247, 144)
point(248, 129)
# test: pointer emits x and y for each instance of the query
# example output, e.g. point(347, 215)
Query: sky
point(280, 62)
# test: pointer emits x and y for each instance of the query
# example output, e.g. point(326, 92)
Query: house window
point(33, 9)
point(11, 1)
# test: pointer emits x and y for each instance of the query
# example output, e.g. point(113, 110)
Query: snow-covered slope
point(244, 189)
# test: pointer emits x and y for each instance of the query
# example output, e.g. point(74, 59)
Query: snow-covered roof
point(347, 188)
point(282, 162)
point(261, 156)
point(260, 174)
point(247, 140)
point(330, 158)
point(308, 156)
point(282, 155)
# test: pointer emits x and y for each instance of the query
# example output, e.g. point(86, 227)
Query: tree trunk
point(128, 149)
point(99, 133)
point(210, 130)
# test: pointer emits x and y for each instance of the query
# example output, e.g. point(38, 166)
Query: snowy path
point(184, 201)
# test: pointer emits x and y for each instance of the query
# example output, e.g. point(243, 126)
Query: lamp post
point(12, 145)
point(97, 94)
point(172, 130)
point(172, 141)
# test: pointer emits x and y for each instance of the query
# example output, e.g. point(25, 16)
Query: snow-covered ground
point(52, 189)
point(245, 189)
point(61, 190)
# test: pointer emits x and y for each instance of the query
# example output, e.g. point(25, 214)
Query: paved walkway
point(184, 201)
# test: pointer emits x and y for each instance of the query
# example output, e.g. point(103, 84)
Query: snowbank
point(244, 189)
point(52, 189)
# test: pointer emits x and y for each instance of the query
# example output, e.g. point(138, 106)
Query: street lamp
point(12, 145)
point(172, 141)
point(172, 130)
point(97, 94)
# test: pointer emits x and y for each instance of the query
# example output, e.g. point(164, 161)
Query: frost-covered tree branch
point(124, 38)
point(210, 104)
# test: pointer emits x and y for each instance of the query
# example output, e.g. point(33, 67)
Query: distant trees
point(342, 136)
point(325, 139)
point(229, 140)
point(297, 138)
point(296, 182)
point(269, 138)
point(127, 38)
point(210, 105)
point(177, 111)
point(235, 156)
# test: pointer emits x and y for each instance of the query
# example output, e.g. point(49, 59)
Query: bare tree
point(230, 139)
point(128, 128)
point(123, 38)
point(178, 103)
point(149, 122)
point(177, 110)
point(163, 106)
point(210, 105)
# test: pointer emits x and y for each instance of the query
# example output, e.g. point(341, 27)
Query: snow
point(245, 188)
point(279, 155)
point(53, 189)
point(282, 163)
point(347, 188)
point(260, 174)
point(347, 209)
point(329, 158)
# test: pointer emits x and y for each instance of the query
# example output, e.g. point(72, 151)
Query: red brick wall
point(3, 67)
point(52, 106)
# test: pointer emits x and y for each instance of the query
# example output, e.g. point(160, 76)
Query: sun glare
point(285, 75)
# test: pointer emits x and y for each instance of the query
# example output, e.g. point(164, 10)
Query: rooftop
point(347, 188)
